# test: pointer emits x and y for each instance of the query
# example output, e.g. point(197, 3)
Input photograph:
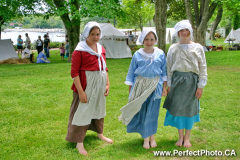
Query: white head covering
point(82, 45)
point(144, 34)
point(87, 29)
point(184, 24)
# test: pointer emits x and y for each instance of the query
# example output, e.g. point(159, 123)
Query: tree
point(236, 21)
point(199, 17)
point(7, 11)
point(160, 20)
point(136, 13)
point(72, 12)
point(15, 9)
point(216, 22)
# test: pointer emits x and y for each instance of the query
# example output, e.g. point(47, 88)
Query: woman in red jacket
point(90, 88)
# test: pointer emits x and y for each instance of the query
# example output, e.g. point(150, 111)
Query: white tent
point(7, 50)
point(114, 42)
point(233, 35)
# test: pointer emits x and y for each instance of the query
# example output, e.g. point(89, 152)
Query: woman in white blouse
point(187, 76)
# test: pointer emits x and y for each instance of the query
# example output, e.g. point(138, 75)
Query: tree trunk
point(216, 22)
point(200, 25)
point(1, 24)
point(0, 32)
point(72, 26)
point(73, 36)
point(160, 21)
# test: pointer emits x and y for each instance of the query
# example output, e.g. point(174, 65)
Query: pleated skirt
point(145, 122)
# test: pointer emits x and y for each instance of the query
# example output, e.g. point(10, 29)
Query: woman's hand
point(164, 92)
point(199, 93)
point(83, 97)
point(107, 90)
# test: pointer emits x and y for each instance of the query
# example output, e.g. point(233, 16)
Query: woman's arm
point(81, 93)
point(107, 87)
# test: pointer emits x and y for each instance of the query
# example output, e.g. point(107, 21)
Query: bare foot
point(152, 141)
point(146, 143)
point(179, 142)
point(102, 137)
point(187, 143)
point(81, 149)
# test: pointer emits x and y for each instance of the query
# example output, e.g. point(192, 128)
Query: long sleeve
point(76, 63)
point(163, 68)
point(202, 69)
point(131, 70)
point(169, 67)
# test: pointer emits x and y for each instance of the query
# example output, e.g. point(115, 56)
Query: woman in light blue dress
point(146, 76)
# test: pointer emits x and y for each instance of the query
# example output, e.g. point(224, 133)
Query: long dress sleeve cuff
point(164, 78)
point(169, 82)
point(128, 83)
point(202, 83)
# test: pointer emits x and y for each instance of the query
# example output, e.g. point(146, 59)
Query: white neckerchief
point(146, 56)
point(82, 46)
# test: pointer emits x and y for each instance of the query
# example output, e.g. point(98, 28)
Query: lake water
point(54, 36)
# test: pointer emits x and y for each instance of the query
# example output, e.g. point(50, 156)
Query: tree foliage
point(176, 10)
point(15, 9)
point(73, 11)
point(137, 13)
point(236, 21)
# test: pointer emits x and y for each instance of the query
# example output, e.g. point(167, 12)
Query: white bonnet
point(144, 34)
point(87, 29)
point(184, 24)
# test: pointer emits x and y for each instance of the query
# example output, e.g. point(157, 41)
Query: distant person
point(131, 36)
point(67, 48)
point(19, 45)
point(46, 45)
point(48, 35)
point(62, 51)
point(27, 54)
point(130, 43)
point(39, 44)
point(27, 41)
point(66, 37)
point(41, 58)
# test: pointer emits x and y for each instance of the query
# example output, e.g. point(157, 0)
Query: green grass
point(36, 98)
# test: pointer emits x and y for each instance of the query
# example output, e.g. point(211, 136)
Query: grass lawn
point(36, 98)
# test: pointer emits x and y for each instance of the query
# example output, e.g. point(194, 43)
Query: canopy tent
point(7, 50)
point(114, 42)
point(233, 35)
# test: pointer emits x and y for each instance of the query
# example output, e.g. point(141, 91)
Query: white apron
point(95, 108)
point(142, 89)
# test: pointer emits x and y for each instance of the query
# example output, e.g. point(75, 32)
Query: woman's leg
point(186, 142)
point(102, 137)
point(97, 126)
point(81, 149)
point(146, 143)
point(180, 140)
point(152, 141)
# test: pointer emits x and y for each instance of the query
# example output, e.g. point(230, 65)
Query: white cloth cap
point(184, 24)
point(144, 34)
point(87, 29)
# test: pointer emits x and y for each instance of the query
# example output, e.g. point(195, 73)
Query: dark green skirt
point(181, 100)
